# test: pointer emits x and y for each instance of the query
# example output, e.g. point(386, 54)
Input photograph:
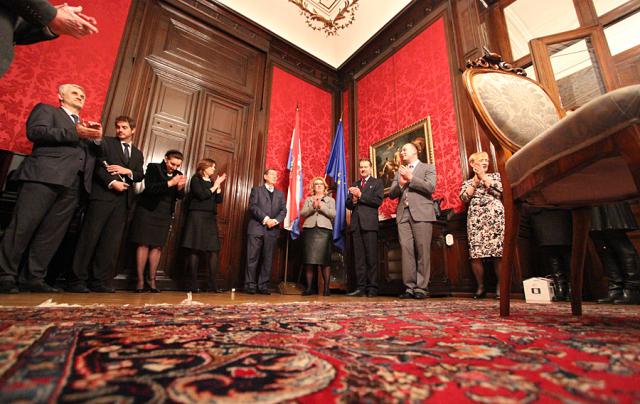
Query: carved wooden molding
point(492, 60)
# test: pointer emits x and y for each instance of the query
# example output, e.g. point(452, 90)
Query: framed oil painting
point(385, 154)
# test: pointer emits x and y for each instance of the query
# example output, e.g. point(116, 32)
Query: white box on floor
point(538, 290)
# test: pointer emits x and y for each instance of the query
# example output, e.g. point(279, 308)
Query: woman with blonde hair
point(319, 210)
point(485, 218)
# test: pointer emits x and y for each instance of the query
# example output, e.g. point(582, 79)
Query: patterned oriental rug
point(451, 351)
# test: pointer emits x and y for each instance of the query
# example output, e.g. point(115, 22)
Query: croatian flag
point(294, 194)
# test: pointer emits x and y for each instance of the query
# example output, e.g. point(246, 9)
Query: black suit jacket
point(200, 196)
point(113, 154)
point(23, 22)
point(261, 206)
point(156, 187)
point(58, 153)
point(364, 214)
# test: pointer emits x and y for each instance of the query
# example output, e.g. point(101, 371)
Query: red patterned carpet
point(440, 351)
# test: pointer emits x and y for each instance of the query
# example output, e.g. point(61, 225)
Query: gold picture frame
point(385, 154)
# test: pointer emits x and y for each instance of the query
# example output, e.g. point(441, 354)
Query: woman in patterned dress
point(485, 218)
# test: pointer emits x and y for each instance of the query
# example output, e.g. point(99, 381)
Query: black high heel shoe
point(480, 295)
point(307, 292)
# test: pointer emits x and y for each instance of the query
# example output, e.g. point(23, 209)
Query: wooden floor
point(169, 297)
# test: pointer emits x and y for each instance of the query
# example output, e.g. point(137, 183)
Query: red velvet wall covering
point(316, 131)
point(410, 85)
point(38, 69)
point(345, 125)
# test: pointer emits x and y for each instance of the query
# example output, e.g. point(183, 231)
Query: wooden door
point(193, 88)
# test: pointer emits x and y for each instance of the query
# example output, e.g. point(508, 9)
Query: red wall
point(38, 69)
point(411, 84)
point(316, 129)
point(345, 125)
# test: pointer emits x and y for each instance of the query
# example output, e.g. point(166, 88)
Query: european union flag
point(337, 169)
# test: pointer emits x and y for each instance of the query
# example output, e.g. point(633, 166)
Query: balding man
point(413, 185)
point(58, 170)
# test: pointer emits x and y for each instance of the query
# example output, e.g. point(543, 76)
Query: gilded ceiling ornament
point(325, 15)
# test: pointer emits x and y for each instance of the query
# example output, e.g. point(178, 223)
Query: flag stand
point(288, 288)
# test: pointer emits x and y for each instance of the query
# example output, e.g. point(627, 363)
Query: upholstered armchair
point(589, 157)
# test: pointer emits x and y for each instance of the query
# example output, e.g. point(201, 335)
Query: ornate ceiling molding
point(327, 15)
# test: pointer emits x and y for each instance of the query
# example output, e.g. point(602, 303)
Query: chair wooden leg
point(581, 224)
point(512, 223)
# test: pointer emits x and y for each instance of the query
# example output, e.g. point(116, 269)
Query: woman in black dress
point(318, 212)
point(164, 184)
point(201, 228)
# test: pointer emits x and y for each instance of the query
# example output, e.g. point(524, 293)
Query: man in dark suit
point(23, 22)
point(58, 170)
point(267, 206)
point(365, 197)
point(116, 171)
point(414, 184)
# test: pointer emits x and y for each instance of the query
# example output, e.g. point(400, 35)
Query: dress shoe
point(629, 296)
point(307, 292)
point(420, 295)
point(8, 287)
point(139, 290)
point(372, 293)
point(357, 293)
point(39, 287)
point(250, 291)
point(480, 294)
point(76, 288)
point(154, 290)
point(214, 290)
point(611, 297)
point(263, 292)
point(102, 289)
point(407, 295)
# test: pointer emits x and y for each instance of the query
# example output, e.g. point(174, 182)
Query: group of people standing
point(71, 157)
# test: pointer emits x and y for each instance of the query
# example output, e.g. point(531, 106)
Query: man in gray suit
point(414, 184)
point(267, 206)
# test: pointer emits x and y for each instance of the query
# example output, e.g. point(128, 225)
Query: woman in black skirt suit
point(164, 184)
point(201, 229)
point(319, 210)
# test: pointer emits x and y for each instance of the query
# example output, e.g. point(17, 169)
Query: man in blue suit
point(267, 206)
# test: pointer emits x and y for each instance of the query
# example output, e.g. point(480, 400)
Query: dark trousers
point(259, 248)
point(99, 243)
point(366, 260)
point(38, 225)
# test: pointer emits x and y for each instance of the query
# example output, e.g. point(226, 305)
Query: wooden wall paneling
point(194, 88)
point(627, 66)
point(467, 33)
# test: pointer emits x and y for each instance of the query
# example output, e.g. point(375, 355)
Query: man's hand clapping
point(89, 130)
point(114, 169)
point(355, 191)
point(71, 21)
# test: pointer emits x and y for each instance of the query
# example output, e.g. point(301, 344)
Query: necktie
point(75, 118)
point(362, 183)
point(126, 152)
